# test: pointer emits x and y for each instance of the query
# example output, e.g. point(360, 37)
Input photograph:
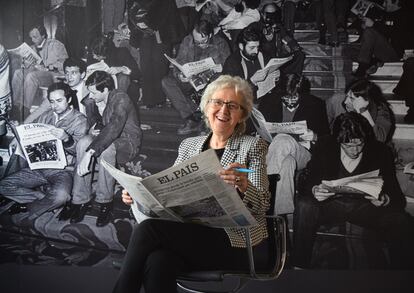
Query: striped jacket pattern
point(250, 151)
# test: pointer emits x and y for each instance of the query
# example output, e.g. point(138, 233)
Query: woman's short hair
point(67, 92)
point(351, 125)
point(240, 86)
point(101, 80)
point(368, 90)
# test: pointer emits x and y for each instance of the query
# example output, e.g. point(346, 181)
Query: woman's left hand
point(237, 179)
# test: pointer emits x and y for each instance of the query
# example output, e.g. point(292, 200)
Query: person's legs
point(285, 155)
point(82, 188)
point(32, 82)
point(57, 192)
point(198, 248)
point(330, 19)
point(106, 183)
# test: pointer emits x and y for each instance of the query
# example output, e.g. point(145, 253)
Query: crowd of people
point(93, 105)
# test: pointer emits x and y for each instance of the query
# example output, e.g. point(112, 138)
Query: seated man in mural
point(27, 80)
point(277, 43)
point(117, 140)
point(56, 184)
point(198, 45)
point(292, 102)
point(352, 150)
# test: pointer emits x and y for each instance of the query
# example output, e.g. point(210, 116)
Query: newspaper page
point(361, 7)
point(199, 72)
point(29, 55)
point(190, 191)
point(199, 4)
point(367, 183)
point(101, 66)
point(267, 130)
point(265, 78)
point(41, 149)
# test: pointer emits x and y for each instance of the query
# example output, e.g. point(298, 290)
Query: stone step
point(389, 69)
point(387, 85)
point(327, 80)
point(398, 107)
point(403, 131)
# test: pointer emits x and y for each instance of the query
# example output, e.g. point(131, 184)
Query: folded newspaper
point(409, 168)
point(367, 183)
point(191, 191)
point(198, 72)
point(265, 78)
point(41, 149)
point(29, 55)
point(267, 130)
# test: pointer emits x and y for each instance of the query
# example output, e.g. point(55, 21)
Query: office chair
point(276, 253)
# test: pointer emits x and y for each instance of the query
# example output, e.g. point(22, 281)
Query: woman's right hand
point(126, 198)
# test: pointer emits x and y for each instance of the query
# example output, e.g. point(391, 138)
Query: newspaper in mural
point(361, 7)
point(367, 183)
point(265, 78)
point(28, 55)
point(198, 72)
point(267, 130)
point(41, 149)
point(191, 191)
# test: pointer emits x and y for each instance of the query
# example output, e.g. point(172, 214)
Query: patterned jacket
point(246, 150)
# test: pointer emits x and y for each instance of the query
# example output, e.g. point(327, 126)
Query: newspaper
point(199, 72)
point(267, 130)
point(361, 7)
point(200, 3)
point(41, 149)
point(191, 191)
point(367, 183)
point(265, 78)
point(29, 56)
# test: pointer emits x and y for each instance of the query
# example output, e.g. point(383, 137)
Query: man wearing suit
point(352, 150)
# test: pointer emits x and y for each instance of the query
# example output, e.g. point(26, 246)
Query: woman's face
point(354, 103)
point(224, 111)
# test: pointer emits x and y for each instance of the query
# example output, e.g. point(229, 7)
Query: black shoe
point(361, 71)
point(67, 211)
point(104, 216)
point(79, 212)
point(17, 208)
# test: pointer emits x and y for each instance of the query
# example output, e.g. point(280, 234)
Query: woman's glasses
point(232, 106)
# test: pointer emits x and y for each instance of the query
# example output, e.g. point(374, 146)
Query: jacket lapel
point(230, 151)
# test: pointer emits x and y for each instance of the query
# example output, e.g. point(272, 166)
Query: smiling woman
point(160, 249)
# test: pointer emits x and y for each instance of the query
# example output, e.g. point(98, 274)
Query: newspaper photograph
point(29, 56)
point(191, 191)
point(367, 183)
point(361, 7)
point(41, 149)
point(265, 78)
point(199, 72)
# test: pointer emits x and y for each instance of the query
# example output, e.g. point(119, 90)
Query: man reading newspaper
point(33, 74)
point(353, 150)
point(295, 120)
point(38, 191)
point(198, 45)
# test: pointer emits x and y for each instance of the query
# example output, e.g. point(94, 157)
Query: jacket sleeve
point(78, 129)
point(257, 196)
point(112, 130)
point(383, 123)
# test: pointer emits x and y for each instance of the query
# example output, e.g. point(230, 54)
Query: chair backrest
point(276, 253)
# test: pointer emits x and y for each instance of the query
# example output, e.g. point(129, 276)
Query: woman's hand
point(321, 193)
point(237, 179)
point(126, 198)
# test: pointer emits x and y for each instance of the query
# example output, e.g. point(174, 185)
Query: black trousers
point(159, 250)
point(394, 226)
